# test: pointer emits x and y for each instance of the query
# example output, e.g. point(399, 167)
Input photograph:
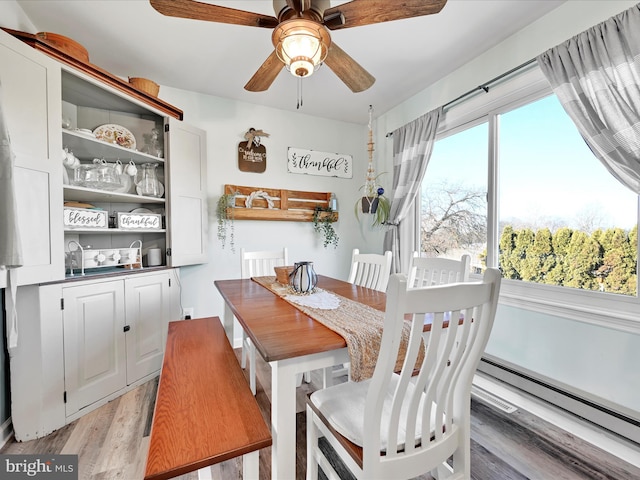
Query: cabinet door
point(31, 103)
point(148, 305)
point(94, 342)
point(187, 196)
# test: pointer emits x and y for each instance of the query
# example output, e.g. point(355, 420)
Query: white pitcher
point(303, 279)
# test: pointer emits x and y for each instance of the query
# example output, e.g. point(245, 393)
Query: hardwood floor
point(112, 443)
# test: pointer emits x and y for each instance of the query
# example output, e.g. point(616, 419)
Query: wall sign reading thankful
point(323, 164)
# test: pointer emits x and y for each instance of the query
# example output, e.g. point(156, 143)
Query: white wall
point(225, 122)
point(12, 16)
point(598, 362)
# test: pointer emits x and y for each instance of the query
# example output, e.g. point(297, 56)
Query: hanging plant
point(323, 220)
point(375, 204)
point(373, 201)
point(224, 212)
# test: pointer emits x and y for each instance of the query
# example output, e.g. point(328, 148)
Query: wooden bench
point(205, 412)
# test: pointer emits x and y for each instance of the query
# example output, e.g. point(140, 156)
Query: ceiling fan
point(301, 32)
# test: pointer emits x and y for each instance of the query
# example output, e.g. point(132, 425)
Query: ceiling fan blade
point(265, 75)
point(348, 70)
point(212, 13)
point(366, 12)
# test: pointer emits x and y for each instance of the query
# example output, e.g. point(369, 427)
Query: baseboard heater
point(615, 422)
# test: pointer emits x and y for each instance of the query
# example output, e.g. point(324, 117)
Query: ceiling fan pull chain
point(299, 93)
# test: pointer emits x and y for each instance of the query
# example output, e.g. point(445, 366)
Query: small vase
point(303, 279)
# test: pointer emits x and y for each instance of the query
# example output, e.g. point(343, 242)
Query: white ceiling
point(129, 38)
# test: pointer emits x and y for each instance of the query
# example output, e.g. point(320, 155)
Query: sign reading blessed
point(84, 218)
point(323, 164)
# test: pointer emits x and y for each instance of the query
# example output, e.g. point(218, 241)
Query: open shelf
point(86, 148)
point(82, 194)
point(111, 230)
point(288, 205)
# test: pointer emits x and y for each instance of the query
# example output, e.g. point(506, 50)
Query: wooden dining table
point(292, 343)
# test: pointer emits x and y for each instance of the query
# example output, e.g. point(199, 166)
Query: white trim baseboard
point(6, 432)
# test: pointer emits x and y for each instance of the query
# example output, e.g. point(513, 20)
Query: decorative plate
point(116, 134)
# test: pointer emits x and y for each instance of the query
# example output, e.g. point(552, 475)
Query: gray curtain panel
point(412, 147)
point(596, 76)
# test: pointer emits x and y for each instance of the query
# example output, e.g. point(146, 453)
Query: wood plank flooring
point(112, 443)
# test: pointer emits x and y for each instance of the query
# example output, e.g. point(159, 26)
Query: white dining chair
point(397, 425)
point(429, 271)
point(257, 264)
point(370, 270)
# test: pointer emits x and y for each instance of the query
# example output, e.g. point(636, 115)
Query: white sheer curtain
point(596, 76)
point(412, 147)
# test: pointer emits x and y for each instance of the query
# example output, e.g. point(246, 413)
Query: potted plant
point(375, 203)
point(323, 220)
point(224, 212)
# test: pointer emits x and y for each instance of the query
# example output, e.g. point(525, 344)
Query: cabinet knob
point(127, 328)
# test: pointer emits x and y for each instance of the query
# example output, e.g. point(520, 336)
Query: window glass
point(563, 218)
point(454, 198)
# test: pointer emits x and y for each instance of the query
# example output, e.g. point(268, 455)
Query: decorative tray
point(116, 134)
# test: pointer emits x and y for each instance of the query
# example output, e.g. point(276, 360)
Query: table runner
point(359, 324)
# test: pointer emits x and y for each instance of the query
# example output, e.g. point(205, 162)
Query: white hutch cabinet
point(84, 340)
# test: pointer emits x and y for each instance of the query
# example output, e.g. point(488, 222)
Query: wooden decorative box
point(84, 218)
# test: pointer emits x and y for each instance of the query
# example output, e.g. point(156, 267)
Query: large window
point(562, 219)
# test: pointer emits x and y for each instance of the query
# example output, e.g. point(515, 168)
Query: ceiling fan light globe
point(302, 45)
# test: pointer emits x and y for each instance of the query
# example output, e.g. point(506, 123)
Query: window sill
point(608, 310)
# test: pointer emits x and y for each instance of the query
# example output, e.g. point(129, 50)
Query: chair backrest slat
point(370, 270)
point(430, 271)
point(261, 263)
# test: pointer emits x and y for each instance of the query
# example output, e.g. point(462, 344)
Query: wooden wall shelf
point(288, 205)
